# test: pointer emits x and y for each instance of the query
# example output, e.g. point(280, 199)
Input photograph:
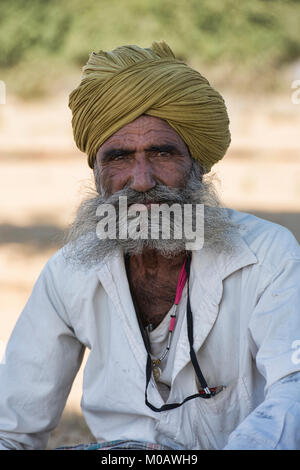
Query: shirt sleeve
point(275, 423)
point(275, 330)
point(40, 363)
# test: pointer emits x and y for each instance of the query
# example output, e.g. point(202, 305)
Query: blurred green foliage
point(42, 40)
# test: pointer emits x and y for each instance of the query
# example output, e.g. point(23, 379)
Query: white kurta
point(246, 311)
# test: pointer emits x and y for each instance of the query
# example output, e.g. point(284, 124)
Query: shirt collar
point(208, 271)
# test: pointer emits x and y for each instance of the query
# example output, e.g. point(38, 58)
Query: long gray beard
point(84, 249)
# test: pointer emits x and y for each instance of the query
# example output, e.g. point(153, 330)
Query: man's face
point(145, 152)
point(147, 162)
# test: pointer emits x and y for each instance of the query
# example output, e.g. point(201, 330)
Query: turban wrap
point(119, 86)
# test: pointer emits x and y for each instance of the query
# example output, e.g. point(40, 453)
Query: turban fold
point(119, 86)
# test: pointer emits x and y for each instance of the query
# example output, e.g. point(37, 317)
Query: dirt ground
point(43, 177)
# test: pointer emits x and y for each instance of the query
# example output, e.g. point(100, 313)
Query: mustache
point(160, 194)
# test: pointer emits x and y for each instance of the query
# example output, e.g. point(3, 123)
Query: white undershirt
point(158, 343)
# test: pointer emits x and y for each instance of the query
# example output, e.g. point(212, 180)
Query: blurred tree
point(41, 39)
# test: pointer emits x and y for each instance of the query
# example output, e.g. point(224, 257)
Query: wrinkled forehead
point(143, 132)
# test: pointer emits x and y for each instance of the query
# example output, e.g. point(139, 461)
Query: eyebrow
point(116, 152)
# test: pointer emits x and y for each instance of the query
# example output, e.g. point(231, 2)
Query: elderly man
point(191, 347)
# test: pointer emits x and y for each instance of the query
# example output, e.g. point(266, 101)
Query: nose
point(142, 176)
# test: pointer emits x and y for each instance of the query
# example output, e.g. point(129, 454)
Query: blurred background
point(249, 51)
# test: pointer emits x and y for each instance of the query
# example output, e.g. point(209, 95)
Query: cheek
point(173, 174)
point(113, 178)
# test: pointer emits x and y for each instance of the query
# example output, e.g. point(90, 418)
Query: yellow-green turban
point(119, 86)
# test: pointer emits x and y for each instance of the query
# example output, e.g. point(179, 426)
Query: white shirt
point(246, 334)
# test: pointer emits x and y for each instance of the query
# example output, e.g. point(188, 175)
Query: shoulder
point(271, 243)
point(69, 276)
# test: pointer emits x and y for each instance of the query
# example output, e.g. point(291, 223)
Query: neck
point(153, 280)
point(152, 261)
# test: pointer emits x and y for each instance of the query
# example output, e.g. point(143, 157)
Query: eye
point(118, 158)
point(163, 154)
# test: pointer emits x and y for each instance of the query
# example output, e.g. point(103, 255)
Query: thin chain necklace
point(180, 285)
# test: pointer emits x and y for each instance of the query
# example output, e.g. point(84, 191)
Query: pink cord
point(172, 323)
point(181, 284)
